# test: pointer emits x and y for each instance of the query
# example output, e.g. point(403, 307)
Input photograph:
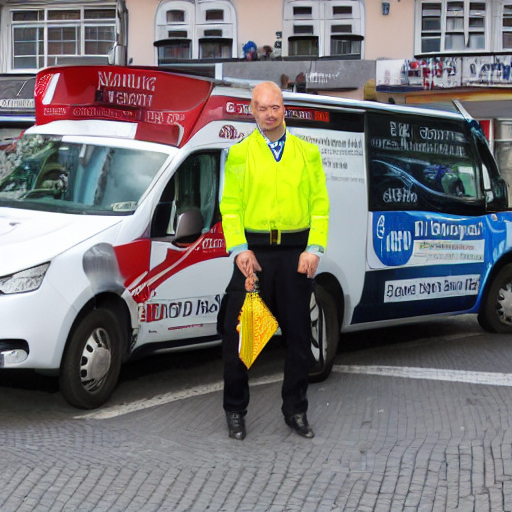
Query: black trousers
point(287, 293)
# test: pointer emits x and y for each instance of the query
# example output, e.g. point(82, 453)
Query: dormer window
point(175, 16)
point(302, 11)
point(214, 15)
point(342, 11)
point(303, 29)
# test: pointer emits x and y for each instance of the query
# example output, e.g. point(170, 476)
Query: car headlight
point(24, 281)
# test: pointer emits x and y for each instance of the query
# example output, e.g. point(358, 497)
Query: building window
point(209, 24)
point(175, 50)
point(341, 11)
point(215, 15)
point(506, 37)
point(28, 47)
point(317, 28)
point(175, 16)
point(342, 46)
point(303, 29)
point(215, 48)
point(177, 34)
point(454, 26)
point(43, 37)
point(303, 46)
point(98, 40)
point(302, 11)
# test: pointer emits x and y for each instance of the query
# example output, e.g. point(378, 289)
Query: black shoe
point(236, 425)
point(299, 423)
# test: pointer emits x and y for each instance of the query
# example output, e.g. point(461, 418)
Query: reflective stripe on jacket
point(261, 194)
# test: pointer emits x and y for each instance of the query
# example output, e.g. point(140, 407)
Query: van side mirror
point(189, 226)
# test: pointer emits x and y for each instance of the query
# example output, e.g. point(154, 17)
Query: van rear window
point(53, 175)
point(421, 163)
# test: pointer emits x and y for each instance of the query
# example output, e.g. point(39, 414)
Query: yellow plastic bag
point(256, 325)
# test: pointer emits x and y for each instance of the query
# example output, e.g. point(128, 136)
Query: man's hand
point(247, 263)
point(308, 263)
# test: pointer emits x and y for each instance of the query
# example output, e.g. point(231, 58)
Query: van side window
point(422, 163)
point(194, 186)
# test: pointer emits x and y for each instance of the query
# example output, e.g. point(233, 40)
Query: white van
point(111, 242)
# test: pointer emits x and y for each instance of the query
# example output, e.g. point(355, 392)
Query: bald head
point(266, 87)
point(268, 109)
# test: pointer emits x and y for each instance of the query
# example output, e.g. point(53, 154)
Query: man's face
point(268, 110)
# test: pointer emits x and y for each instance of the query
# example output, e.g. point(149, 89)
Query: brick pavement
point(382, 444)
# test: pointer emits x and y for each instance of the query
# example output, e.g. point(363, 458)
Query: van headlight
point(24, 281)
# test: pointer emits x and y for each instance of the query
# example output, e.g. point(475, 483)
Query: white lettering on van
point(55, 111)
point(433, 134)
point(434, 148)
point(398, 241)
point(400, 129)
point(126, 81)
point(212, 243)
point(165, 118)
point(400, 195)
point(238, 108)
point(130, 99)
point(228, 131)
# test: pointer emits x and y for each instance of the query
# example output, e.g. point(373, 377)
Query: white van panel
point(90, 127)
point(31, 237)
point(343, 158)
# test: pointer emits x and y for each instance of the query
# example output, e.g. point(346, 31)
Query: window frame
point(45, 24)
point(200, 28)
point(322, 17)
point(461, 28)
point(165, 217)
point(503, 29)
point(426, 181)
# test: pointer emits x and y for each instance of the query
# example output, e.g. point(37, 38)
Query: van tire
point(325, 333)
point(496, 311)
point(92, 360)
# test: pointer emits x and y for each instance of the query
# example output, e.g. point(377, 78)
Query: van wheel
point(496, 312)
point(92, 360)
point(325, 333)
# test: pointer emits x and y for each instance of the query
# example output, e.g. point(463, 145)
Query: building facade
point(37, 33)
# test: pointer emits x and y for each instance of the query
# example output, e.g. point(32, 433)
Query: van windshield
point(50, 174)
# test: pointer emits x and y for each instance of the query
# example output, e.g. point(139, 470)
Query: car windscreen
point(48, 173)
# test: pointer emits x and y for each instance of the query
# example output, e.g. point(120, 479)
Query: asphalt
point(401, 440)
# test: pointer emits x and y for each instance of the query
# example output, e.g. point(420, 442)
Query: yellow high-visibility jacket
point(261, 194)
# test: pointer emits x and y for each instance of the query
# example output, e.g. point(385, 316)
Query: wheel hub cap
point(100, 363)
point(96, 360)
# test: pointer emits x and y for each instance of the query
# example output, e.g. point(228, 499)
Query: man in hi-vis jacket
point(275, 215)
